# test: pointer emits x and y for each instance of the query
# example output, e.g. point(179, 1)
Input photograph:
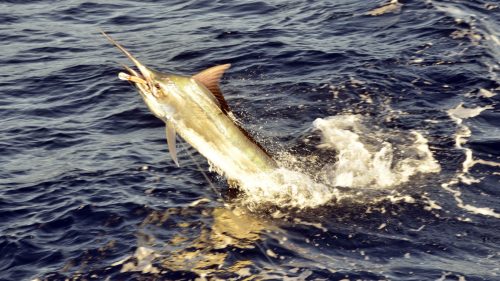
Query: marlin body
point(194, 108)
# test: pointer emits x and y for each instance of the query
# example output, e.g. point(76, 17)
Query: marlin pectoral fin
point(210, 78)
point(170, 132)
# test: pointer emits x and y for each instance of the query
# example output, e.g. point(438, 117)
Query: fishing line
point(212, 185)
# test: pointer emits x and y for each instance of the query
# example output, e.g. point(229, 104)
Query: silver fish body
point(194, 108)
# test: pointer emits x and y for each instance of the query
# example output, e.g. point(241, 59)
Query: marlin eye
point(156, 90)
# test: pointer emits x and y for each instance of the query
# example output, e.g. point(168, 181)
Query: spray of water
point(367, 158)
point(370, 158)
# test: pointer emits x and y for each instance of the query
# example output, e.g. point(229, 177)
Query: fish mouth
point(132, 76)
point(143, 79)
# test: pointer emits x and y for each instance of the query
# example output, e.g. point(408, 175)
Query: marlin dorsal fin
point(210, 78)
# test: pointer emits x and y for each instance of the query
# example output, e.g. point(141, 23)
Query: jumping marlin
point(194, 107)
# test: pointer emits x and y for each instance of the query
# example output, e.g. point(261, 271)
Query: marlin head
point(147, 81)
point(155, 87)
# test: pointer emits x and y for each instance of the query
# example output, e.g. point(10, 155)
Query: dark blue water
point(88, 190)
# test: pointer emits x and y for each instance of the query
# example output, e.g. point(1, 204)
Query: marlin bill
point(194, 108)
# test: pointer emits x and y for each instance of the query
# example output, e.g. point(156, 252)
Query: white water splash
point(287, 188)
point(367, 158)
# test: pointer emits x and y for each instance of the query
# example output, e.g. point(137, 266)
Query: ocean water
point(384, 118)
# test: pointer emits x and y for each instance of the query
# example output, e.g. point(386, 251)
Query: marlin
point(194, 108)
